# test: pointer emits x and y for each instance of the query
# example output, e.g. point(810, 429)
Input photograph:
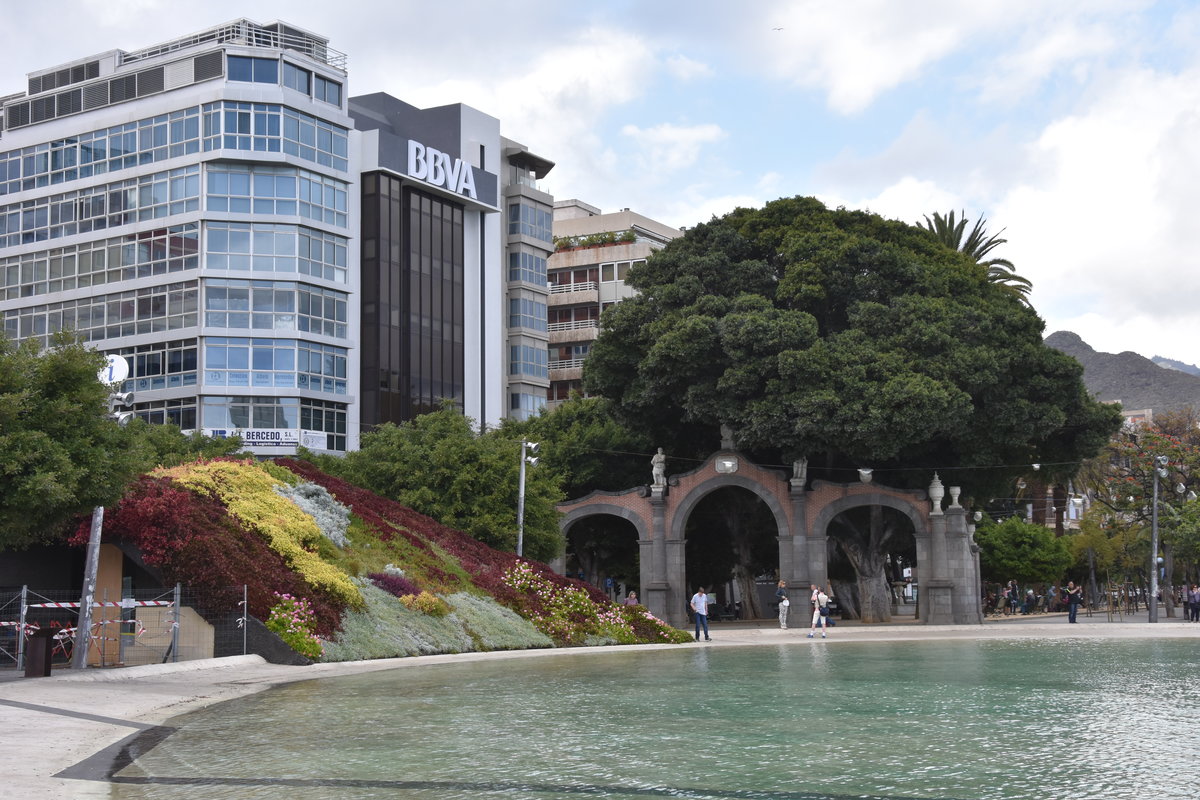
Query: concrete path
point(78, 723)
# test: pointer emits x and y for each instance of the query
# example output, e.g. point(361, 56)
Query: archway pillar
point(960, 562)
point(793, 549)
point(936, 583)
point(656, 573)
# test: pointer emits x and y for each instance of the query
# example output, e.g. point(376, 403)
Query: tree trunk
point(1092, 576)
point(744, 559)
point(867, 553)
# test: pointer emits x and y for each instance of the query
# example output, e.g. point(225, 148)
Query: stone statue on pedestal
point(658, 468)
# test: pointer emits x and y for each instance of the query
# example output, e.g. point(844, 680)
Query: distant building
point(274, 259)
point(528, 245)
point(587, 275)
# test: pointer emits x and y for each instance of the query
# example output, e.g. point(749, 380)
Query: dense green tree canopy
point(438, 465)
point(60, 454)
point(587, 446)
point(847, 338)
point(1021, 551)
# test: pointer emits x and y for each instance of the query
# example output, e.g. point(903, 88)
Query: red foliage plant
point(192, 539)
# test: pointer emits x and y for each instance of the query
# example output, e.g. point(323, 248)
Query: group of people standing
point(818, 599)
point(820, 608)
point(1191, 599)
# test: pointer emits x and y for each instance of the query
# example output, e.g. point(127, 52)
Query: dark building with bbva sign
point(452, 306)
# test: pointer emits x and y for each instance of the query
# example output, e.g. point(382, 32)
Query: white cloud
point(668, 148)
point(687, 69)
point(1018, 72)
point(907, 200)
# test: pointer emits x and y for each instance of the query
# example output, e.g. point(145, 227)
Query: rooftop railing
point(245, 32)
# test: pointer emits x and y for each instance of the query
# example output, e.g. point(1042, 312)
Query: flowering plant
point(293, 620)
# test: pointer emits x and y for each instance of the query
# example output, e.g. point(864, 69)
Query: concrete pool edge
point(51, 725)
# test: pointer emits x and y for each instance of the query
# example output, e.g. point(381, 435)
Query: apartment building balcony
point(568, 369)
point(575, 294)
point(582, 331)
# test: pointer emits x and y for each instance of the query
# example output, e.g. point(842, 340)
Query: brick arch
point(950, 565)
point(701, 490)
point(872, 496)
point(604, 509)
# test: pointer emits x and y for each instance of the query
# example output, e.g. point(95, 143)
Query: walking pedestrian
point(699, 607)
point(1194, 594)
point(784, 604)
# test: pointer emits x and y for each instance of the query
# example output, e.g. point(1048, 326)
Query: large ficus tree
point(849, 339)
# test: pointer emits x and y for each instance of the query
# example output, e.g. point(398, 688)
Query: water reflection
point(1045, 720)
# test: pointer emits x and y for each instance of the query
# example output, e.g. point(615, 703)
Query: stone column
point(657, 590)
point(798, 560)
point(937, 607)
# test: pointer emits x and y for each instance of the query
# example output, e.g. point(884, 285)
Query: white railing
point(585, 286)
point(574, 326)
point(567, 363)
point(245, 32)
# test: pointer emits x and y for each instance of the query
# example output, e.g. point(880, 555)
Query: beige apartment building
point(594, 252)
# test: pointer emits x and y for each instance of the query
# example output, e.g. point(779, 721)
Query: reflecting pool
point(968, 720)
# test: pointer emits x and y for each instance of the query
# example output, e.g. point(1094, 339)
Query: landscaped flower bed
point(366, 576)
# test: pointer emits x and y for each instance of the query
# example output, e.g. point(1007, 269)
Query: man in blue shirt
point(700, 609)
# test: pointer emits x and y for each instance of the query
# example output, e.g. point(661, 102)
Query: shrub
point(397, 585)
point(426, 603)
point(332, 517)
point(292, 619)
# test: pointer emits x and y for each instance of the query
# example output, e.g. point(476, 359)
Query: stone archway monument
point(947, 557)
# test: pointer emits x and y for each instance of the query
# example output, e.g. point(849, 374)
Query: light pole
point(532, 447)
point(1160, 471)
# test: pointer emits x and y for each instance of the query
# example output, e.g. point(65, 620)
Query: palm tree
point(976, 246)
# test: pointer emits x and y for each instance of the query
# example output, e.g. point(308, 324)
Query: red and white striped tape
point(108, 604)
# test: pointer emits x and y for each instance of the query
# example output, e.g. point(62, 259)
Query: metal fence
point(153, 626)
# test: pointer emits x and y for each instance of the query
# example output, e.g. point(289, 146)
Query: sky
point(1073, 126)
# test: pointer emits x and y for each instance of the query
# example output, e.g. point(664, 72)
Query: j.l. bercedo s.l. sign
point(440, 169)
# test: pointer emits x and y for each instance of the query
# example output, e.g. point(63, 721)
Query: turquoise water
point(968, 720)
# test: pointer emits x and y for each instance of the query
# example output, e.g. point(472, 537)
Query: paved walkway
point(76, 723)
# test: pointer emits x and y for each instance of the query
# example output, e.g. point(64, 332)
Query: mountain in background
point(1135, 381)
point(1170, 363)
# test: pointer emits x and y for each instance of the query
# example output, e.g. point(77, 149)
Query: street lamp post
point(1160, 471)
point(532, 461)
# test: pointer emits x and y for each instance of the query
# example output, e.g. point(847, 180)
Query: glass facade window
point(530, 221)
point(252, 70)
point(271, 128)
point(526, 313)
point(327, 91)
point(137, 255)
point(225, 413)
point(617, 270)
point(526, 360)
point(327, 416)
point(289, 413)
point(262, 189)
point(267, 363)
point(102, 151)
point(296, 78)
point(527, 267)
point(257, 247)
point(180, 412)
point(274, 306)
point(148, 310)
point(161, 365)
point(135, 200)
point(413, 264)
point(524, 406)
